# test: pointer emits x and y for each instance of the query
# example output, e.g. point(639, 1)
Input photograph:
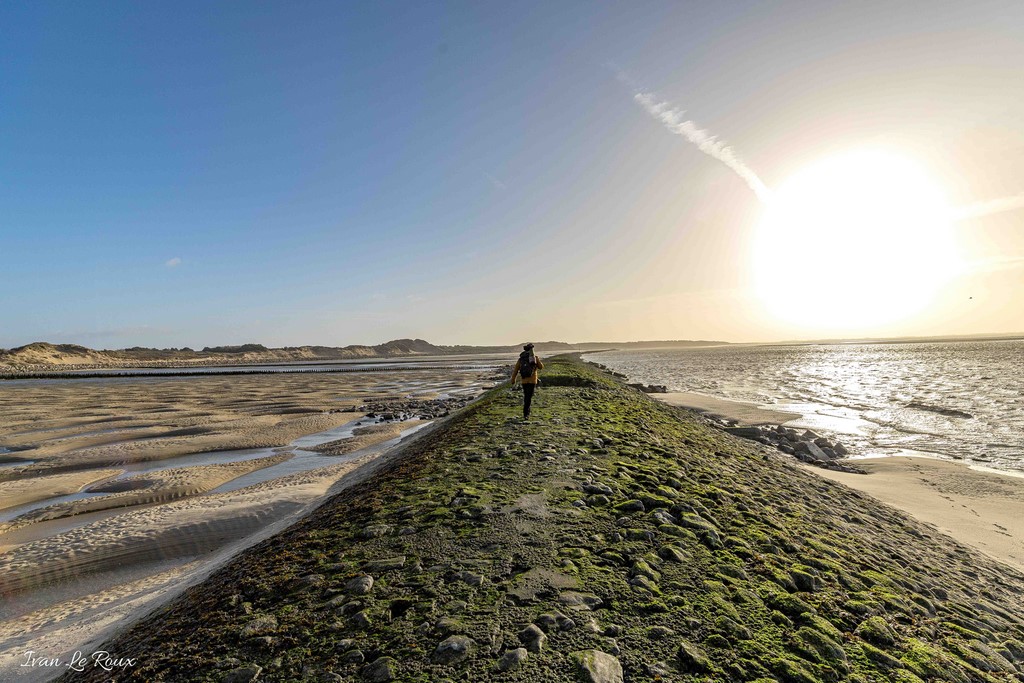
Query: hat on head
point(528, 346)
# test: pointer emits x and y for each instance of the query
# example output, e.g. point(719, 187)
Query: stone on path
point(453, 649)
point(360, 585)
point(380, 670)
point(512, 659)
point(243, 674)
point(598, 667)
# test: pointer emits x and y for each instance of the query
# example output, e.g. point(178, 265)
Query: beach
point(119, 493)
point(984, 510)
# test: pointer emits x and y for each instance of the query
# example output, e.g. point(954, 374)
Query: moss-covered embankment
point(610, 531)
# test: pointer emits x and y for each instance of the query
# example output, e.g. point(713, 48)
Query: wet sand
point(364, 437)
point(162, 486)
point(984, 510)
point(73, 570)
point(21, 491)
point(745, 414)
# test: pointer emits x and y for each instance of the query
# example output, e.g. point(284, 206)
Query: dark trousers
point(527, 398)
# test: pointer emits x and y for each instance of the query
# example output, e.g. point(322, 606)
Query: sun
point(853, 242)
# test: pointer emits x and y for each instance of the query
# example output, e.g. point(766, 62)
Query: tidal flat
point(115, 493)
point(611, 538)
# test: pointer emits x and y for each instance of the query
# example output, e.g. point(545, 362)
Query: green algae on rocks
point(610, 538)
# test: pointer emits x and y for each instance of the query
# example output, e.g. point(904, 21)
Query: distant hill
point(44, 355)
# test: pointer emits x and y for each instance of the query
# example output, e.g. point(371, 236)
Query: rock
point(822, 442)
point(672, 553)
point(360, 585)
point(633, 505)
point(353, 657)
point(597, 667)
point(470, 578)
point(360, 620)
point(745, 432)
point(644, 583)
point(659, 632)
point(374, 531)
point(809, 435)
point(533, 638)
point(349, 607)
point(380, 670)
point(692, 658)
point(447, 626)
point(564, 622)
point(664, 517)
point(816, 453)
point(512, 659)
point(453, 649)
point(261, 643)
point(876, 631)
point(261, 625)
point(387, 564)
point(243, 674)
point(804, 581)
point(546, 622)
point(840, 449)
point(308, 582)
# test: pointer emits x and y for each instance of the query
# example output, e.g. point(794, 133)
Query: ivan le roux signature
point(101, 659)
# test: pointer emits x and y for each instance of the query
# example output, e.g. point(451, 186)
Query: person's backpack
point(527, 364)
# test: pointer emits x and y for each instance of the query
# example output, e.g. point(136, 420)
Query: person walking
point(527, 367)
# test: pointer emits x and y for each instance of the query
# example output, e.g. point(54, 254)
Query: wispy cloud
point(675, 121)
point(996, 264)
point(989, 207)
point(495, 182)
point(173, 262)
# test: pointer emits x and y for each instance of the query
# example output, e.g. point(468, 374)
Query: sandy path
point(980, 509)
point(162, 486)
point(21, 491)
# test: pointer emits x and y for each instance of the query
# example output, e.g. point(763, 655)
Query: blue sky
point(332, 173)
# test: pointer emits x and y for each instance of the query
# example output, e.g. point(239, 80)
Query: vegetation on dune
point(610, 538)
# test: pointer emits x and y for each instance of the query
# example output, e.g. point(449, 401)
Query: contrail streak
point(989, 207)
point(674, 121)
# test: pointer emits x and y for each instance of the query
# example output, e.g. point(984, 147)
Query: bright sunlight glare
point(854, 241)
